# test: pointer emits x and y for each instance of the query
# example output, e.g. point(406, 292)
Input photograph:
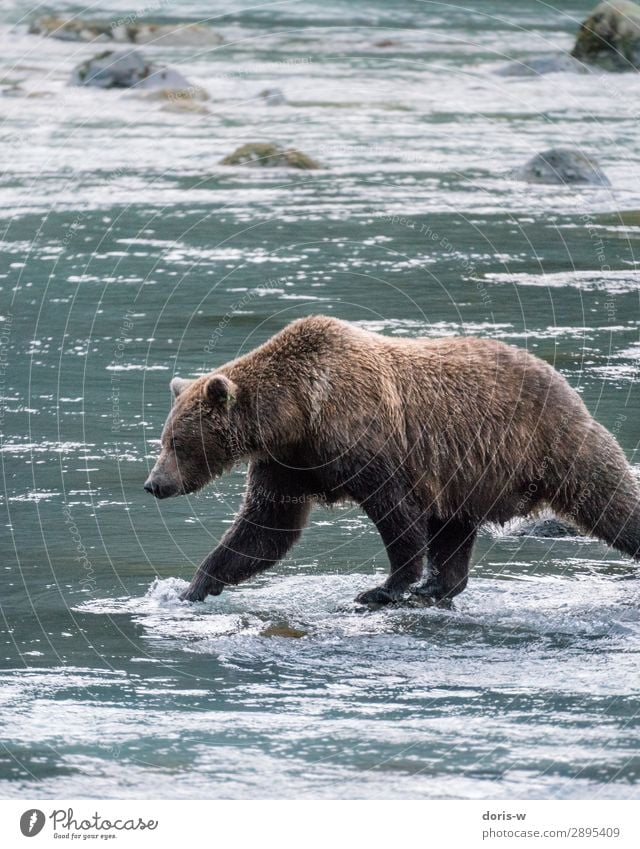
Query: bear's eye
point(176, 445)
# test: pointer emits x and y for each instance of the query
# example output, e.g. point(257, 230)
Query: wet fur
point(431, 437)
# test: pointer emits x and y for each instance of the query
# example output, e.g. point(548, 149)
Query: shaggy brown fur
point(431, 437)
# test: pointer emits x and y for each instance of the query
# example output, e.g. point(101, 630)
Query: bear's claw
point(376, 597)
point(193, 595)
point(199, 589)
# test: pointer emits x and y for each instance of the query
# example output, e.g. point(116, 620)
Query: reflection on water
point(131, 254)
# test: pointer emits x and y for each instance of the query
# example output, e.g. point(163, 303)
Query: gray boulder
point(610, 37)
point(128, 69)
point(562, 166)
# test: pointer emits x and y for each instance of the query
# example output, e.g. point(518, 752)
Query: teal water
point(129, 254)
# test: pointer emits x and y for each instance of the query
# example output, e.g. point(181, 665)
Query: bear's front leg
point(404, 533)
point(274, 512)
point(202, 584)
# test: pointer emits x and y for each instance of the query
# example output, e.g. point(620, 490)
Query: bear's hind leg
point(450, 546)
point(599, 492)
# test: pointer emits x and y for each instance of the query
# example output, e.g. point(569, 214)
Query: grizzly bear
point(432, 438)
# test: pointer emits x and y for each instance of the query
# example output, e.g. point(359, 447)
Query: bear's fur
point(431, 437)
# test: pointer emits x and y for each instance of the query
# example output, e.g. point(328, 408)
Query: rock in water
point(127, 29)
point(273, 97)
point(562, 166)
point(610, 37)
point(269, 156)
point(287, 631)
point(127, 70)
point(174, 35)
point(71, 29)
point(548, 527)
point(180, 97)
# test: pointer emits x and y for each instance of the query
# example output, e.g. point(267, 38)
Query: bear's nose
point(161, 488)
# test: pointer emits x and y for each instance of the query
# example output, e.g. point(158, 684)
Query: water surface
point(130, 254)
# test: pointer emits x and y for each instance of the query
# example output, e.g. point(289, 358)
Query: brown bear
point(432, 438)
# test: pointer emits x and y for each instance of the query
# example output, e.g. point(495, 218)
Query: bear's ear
point(178, 385)
point(219, 390)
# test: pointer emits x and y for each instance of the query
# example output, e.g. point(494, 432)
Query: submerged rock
point(176, 35)
point(128, 69)
point(180, 98)
point(270, 156)
point(124, 30)
point(71, 29)
point(283, 631)
point(536, 66)
point(11, 87)
point(273, 97)
point(546, 527)
point(183, 106)
point(560, 166)
point(387, 42)
point(610, 37)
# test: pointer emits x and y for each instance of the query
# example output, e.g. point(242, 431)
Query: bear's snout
point(161, 489)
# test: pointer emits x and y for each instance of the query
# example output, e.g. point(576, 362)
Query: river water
point(130, 254)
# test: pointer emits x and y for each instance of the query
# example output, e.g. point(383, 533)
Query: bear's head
point(197, 443)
